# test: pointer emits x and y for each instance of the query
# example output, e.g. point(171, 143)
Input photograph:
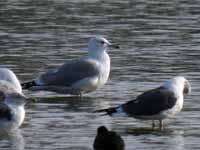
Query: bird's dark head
point(102, 129)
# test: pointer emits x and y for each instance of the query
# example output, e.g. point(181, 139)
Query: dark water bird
point(156, 104)
point(108, 140)
point(77, 76)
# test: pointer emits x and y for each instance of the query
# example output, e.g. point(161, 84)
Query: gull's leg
point(161, 124)
point(80, 95)
point(153, 124)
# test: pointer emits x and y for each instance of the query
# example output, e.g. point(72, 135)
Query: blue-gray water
point(159, 39)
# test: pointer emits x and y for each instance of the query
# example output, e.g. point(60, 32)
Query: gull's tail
point(108, 111)
point(29, 84)
point(113, 111)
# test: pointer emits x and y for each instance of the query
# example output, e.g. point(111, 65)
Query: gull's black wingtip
point(27, 85)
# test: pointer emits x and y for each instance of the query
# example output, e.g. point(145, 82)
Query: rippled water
point(159, 39)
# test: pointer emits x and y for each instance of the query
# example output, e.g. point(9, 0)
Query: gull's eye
point(102, 42)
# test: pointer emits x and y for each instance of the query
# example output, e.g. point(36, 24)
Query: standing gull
point(12, 101)
point(156, 104)
point(80, 75)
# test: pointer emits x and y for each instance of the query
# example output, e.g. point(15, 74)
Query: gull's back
point(9, 76)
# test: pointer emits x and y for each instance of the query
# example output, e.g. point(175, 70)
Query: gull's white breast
point(104, 69)
point(18, 115)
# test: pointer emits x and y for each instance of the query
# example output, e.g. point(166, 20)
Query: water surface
point(159, 39)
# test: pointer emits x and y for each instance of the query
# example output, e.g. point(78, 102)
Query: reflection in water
point(142, 131)
point(12, 140)
point(168, 139)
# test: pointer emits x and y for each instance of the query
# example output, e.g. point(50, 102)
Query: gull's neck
point(18, 114)
point(104, 64)
point(177, 89)
point(97, 54)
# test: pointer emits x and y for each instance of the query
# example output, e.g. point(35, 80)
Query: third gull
point(12, 101)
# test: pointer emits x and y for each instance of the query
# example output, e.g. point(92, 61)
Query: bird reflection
point(170, 138)
point(145, 130)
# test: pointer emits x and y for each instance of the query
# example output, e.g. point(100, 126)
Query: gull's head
point(15, 98)
point(99, 43)
point(180, 83)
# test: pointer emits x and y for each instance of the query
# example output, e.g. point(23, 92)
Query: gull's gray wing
point(5, 112)
point(150, 102)
point(70, 72)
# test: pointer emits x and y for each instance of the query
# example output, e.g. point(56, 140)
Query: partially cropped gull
point(108, 140)
point(12, 101)
point(77, 76)
point(156, 104)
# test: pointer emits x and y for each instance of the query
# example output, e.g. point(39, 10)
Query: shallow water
point(159, 39)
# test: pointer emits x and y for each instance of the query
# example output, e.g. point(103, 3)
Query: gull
point(12, 101)
point(77, 76)
point(108, 140)
point(156, 104)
